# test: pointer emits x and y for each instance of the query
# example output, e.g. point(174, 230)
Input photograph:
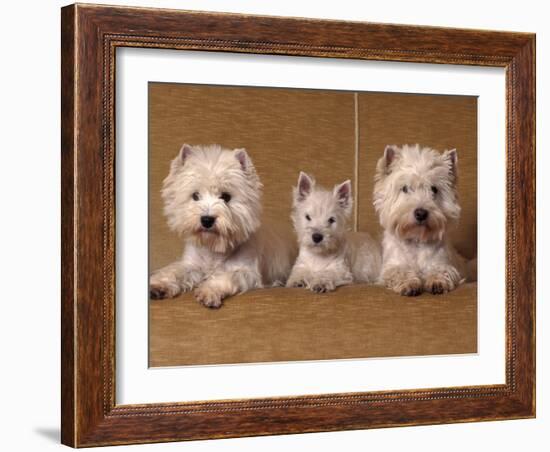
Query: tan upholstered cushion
point(293, 324)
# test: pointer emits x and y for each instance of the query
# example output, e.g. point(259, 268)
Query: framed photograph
point(280, 225)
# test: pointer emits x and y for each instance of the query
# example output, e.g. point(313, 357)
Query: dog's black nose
point(207, 221)
point(317, 238)
point(420, 215)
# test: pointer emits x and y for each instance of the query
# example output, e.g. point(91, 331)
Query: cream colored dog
point(330, 255)
point(416, 199)
point(212, 198)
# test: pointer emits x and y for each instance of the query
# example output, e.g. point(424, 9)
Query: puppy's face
point(212, 196)
point(320, 216)
point(415, 192)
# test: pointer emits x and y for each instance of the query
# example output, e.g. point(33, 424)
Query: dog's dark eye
point(195, 196)
point(225, 196)
point(404, 189)
point(331, 220)
point(308, 218)
point(434, 190)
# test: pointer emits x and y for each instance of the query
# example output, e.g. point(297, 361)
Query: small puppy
point(212, 197)
point(329, 255)
point(416, 200)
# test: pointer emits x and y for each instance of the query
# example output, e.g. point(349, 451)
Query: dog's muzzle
point(317, 238)
point(207, 221)
point(420, 215)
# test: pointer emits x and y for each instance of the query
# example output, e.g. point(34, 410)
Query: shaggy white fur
point(416, 199)
point(330, 255)
point(212, 198)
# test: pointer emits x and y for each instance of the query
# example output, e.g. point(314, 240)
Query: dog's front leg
point(441, 279)
point(403, 280)
point(223, 284)
point(175, 278)
point(322, 282)
point(398, 270)
point(298, 276)
point(329, 280)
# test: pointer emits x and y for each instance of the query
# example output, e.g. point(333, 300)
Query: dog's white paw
point(409, 287)
point(159, 290)
point(438, 284)
point(299, 284)
point(209, 297)
point(403, 281)
point(322, 286)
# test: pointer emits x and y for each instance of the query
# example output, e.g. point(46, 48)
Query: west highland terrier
point(329, 255)
point(416, 198)
point(212, 197)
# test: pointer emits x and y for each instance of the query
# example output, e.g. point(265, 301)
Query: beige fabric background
point(285, 131)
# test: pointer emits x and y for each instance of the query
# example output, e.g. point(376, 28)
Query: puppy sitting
point(329, 255)
point(212, 197)
point(416, 199)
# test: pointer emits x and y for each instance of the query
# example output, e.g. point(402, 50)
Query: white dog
point(416, 199)
point(212, 197)
point(329, 255)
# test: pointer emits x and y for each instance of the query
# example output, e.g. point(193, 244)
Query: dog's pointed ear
point(244, 160)
point(304, 187)
point(390, 153)
point(342, 193)
point(452, 158)
point(185, 151)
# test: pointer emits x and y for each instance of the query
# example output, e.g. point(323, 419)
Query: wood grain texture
point(68, 332)
point(91, 34)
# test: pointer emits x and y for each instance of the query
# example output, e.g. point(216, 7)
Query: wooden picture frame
point(90, 36)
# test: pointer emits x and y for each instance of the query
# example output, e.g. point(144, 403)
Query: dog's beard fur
point(429, 231)
point(330, 244)
point(420, 171)
point(225, 235)
point(208, 172)
point(405, 226)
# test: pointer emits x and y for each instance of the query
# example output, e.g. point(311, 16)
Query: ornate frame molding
point(90, 37)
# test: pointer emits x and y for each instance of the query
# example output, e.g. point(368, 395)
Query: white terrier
point(212, 197)
point(329, 255)
point(416, 199)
